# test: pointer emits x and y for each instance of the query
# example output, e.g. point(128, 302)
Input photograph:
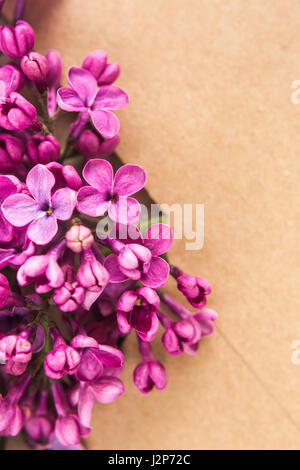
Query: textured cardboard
point(212, 121)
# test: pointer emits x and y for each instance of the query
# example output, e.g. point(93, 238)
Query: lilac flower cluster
point(67, 298)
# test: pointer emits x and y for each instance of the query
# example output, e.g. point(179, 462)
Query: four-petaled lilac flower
point(140, 260)
point(85, 97)
point(185, 334)
point(182, 336)
point(62, 360)
point(105, 390)
point(96, 63)
point(42, 210)
point(93, 276)
point(15, 351)
point(108, 193)
point(17, 113)
point(138, 310)
point(70, 295)
point(149, 373)
point(194, 288)
point(16, 41)
point(94, 357)
point(43, 270)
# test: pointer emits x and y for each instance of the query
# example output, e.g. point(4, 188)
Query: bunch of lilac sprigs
point(68, 298)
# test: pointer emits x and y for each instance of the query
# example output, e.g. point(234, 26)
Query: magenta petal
point(63, 203)
point(20, 209)
point(123, 324)
point(67, 431)
point(108, 389)
point(106, 123)
point(158, 273)
point(111, 264)
point(40, 181)
point(6, 255)
point(85, 405)
point(158, 238)
point(206, 317)
point(170, 342)
point(127, 301)
point(129, 179)
point(149, 334)
point(110, 356)
point(7, 188)
point(91, 202)
point(6, 235)
point(69, 100)
point(83, 82)
point(99, 174)
point(42, 230)
point(81, 342)
point(158, 375)
point(89, 299)
point(110, 97)
point(90, 368)
point(125, 210)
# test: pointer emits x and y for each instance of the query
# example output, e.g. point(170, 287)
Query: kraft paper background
point(212, 121)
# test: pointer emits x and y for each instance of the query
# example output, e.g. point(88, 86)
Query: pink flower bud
point(11, 79)
point(148, 375)
point(91, 145)
point(17, 113)
point(18, 41)
point(15, 351)
point(11, 418)
point(54, 68)
point(53, 79)
point(65, 175)
point(79, 238)
point(94, 357)
point(35, 66)
point(95, 63)
point(11, 152)
point(139, 310)
point(39, 420)
point(62, 360)
point(110, 74)
point(194, 288)
point(92, 274)
point(70, 295)
point(43, 149)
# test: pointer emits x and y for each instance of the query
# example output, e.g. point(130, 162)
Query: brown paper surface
point(212, 121)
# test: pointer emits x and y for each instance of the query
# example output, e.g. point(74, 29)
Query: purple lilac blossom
point(68, 298)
